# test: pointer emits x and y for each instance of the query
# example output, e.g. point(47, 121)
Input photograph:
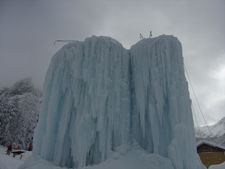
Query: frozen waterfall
point(99, 95)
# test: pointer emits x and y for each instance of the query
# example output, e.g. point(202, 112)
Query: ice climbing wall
point(99, 95)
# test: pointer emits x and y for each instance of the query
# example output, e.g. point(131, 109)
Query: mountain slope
point(215, 133)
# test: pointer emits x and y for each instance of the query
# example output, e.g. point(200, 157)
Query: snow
point(134, 159)
point(210, 143)
point(10, 162)
point(19, 109)
point(7, 162)
point(99, 96)
point(219, 166)
point(124, 157)
point(214, 133)
point(215, 130)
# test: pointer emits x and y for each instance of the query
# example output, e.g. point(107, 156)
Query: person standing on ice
point(9, 149)
point(150, 34)
point(141, 37)
point(30, 147)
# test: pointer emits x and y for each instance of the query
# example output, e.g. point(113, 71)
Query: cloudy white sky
point(28, 29)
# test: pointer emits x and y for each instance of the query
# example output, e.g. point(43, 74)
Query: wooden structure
point(18, 152)
point(210, 153)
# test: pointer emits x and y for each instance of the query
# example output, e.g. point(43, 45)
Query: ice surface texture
point(98, 96)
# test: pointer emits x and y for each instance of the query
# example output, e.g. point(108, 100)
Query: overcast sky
point(28, 29)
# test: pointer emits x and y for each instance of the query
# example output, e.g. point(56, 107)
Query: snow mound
point(214, 133)
point(124, 157)
point(99, 96)
point(10, 162)
point(215, 130)
point(219, 166)
point(135, 159)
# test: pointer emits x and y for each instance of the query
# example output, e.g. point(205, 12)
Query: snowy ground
point(220, 166)
point(134, 159)
point(124, 157)
point(9, 162)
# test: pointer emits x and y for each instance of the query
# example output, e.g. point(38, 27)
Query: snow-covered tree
point(19, 108)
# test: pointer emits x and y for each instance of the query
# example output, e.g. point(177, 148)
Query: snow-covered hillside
point(99, 96)
point(19, 108)
point(215, 130)
point(215, 133)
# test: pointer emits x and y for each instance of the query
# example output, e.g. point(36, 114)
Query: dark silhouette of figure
point(30, 147)
point(150, 34)
point(9, 149)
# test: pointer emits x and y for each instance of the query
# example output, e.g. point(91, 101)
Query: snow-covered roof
point(210, 143)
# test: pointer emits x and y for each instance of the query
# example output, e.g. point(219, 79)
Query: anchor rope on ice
point(196, 98)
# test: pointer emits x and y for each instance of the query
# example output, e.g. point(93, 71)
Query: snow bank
point(124, 157)
point(10, 162)
point(135, 159)
point(219, 166)
point(99, 96)
point(2, 165)
point(216, 130)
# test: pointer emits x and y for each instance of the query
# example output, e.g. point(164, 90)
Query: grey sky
point(28, 29)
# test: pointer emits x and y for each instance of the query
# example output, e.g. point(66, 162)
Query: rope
point(197, 101)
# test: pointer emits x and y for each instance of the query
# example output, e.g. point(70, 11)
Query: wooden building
point(210, 153)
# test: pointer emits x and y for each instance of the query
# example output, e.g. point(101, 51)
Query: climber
point(9, 149)
point(30, 147)
point(150, 35)
point(140, 36)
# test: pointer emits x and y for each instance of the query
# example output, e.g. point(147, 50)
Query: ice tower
point(99, 95)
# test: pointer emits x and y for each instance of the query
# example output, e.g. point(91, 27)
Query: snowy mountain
point(215, 130)
point(19, 109)
point(215, 133)
point(99, 96)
